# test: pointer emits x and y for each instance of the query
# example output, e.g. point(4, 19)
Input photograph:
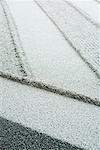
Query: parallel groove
point(17, 55)
point(41, 85)
point(51, 88)
point(69, 41)
point(86, 17)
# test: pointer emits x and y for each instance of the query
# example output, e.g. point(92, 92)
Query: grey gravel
point(14, 136)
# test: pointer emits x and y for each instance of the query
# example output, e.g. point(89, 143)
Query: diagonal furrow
point(20, 70)
point(83, 15)
point(12, 59)
point(50, 88)
point(81, 35)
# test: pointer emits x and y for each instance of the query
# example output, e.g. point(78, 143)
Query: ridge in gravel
point(63, 118)
point(52, 59)
point(12, 57)
point(81, 34)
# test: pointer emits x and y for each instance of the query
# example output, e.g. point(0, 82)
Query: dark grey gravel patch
point(14, 136)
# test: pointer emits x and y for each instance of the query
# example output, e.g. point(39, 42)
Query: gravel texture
point(12, 57)
point(61, 117)
point(52, 59)
point(81, 34)
point(87, 8)
point(47, 113)
point(14, 136)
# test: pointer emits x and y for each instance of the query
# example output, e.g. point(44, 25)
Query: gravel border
point(14, 136)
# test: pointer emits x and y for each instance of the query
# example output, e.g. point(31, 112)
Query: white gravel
point(53, 61)
point(83, 35)
point(63, 118)
point(8, 61)
point(90, 8)
point(12, 58)
point(51, 58)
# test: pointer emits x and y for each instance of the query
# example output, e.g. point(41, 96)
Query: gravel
point(14, 136)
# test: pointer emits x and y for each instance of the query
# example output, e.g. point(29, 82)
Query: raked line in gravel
point(52, 59)
point(12, 57)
